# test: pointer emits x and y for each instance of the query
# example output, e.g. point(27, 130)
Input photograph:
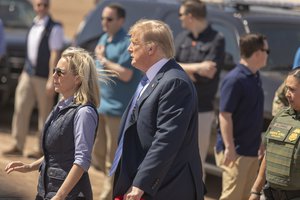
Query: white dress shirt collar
point(154, 69)
point(41, 21)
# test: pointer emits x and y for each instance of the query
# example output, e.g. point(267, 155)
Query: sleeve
point(231, 91)
point(56, 41)
point(85, 124)
point(217, 51)
point(175, 108)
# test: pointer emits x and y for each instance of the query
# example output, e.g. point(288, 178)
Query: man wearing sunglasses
point(241, 119)
point(44, 42)
point(112, 54)
point(200, 50)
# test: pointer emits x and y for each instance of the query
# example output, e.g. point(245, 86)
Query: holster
point(268, 192)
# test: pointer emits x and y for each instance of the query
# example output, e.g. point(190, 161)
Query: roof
point(272, 3)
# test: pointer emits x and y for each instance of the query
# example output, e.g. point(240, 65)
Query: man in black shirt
point(200, 50)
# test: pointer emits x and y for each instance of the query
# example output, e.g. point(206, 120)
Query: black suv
point(280, 25)
point(17, 16)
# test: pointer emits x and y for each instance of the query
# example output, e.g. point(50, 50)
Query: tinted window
point(16, 13)
point(283, 39)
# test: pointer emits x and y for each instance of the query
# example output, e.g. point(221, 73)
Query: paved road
point(18, 186)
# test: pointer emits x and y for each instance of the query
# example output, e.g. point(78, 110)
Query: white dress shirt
point(56, 39)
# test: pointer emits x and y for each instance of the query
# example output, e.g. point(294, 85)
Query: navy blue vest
point(59, 149)
point(42, 66)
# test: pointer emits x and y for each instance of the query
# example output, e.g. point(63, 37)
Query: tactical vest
point(283, 151)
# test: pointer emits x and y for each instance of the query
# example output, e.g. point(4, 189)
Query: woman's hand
point(17, 166)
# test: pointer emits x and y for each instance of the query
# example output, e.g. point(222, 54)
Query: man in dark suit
point(158, 157)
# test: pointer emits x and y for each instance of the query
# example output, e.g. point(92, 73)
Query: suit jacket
point(160, 149)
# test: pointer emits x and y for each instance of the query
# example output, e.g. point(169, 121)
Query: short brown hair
point(121, 13)
point(196, 8)
point(251, 43)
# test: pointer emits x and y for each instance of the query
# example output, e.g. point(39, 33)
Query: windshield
point(16, 13)
point(283, 40)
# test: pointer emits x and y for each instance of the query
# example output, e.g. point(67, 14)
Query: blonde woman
point(69, 131)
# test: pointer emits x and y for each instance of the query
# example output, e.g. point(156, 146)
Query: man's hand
point(133, 193)
point(99, 51)
point(207, 69)
point(100, 54)
point(230, 157)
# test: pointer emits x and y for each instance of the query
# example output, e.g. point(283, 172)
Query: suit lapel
point(123, 123)
point(152, 85)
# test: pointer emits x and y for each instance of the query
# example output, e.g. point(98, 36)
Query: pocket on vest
point(283, 156)
point(56, 173)
point(56, 178)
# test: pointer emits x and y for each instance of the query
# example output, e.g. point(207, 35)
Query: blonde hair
point(82, 64)
point(157, 32)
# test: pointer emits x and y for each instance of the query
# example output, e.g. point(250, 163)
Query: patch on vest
point(279, 131)
point(294, 135)
point(282, 126)
point(277, 134)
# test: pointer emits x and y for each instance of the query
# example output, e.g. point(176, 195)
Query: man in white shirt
point(44, 43)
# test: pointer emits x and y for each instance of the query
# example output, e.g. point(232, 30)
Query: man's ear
point(151, 49)
point(256, 54)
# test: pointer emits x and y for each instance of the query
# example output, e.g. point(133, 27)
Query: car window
point(283, 39)
point(16, 13)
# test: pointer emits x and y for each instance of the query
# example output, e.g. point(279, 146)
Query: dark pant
point(277, 194)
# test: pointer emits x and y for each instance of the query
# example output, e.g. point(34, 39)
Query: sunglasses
point(42, 4)
point(109, 19)
point(268, 51)
point(58, 71)
point(181, 14)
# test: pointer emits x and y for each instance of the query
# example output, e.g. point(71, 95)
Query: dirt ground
point(70, 13)
point(18, 186)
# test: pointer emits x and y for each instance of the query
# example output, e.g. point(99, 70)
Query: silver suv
point(280, 25)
